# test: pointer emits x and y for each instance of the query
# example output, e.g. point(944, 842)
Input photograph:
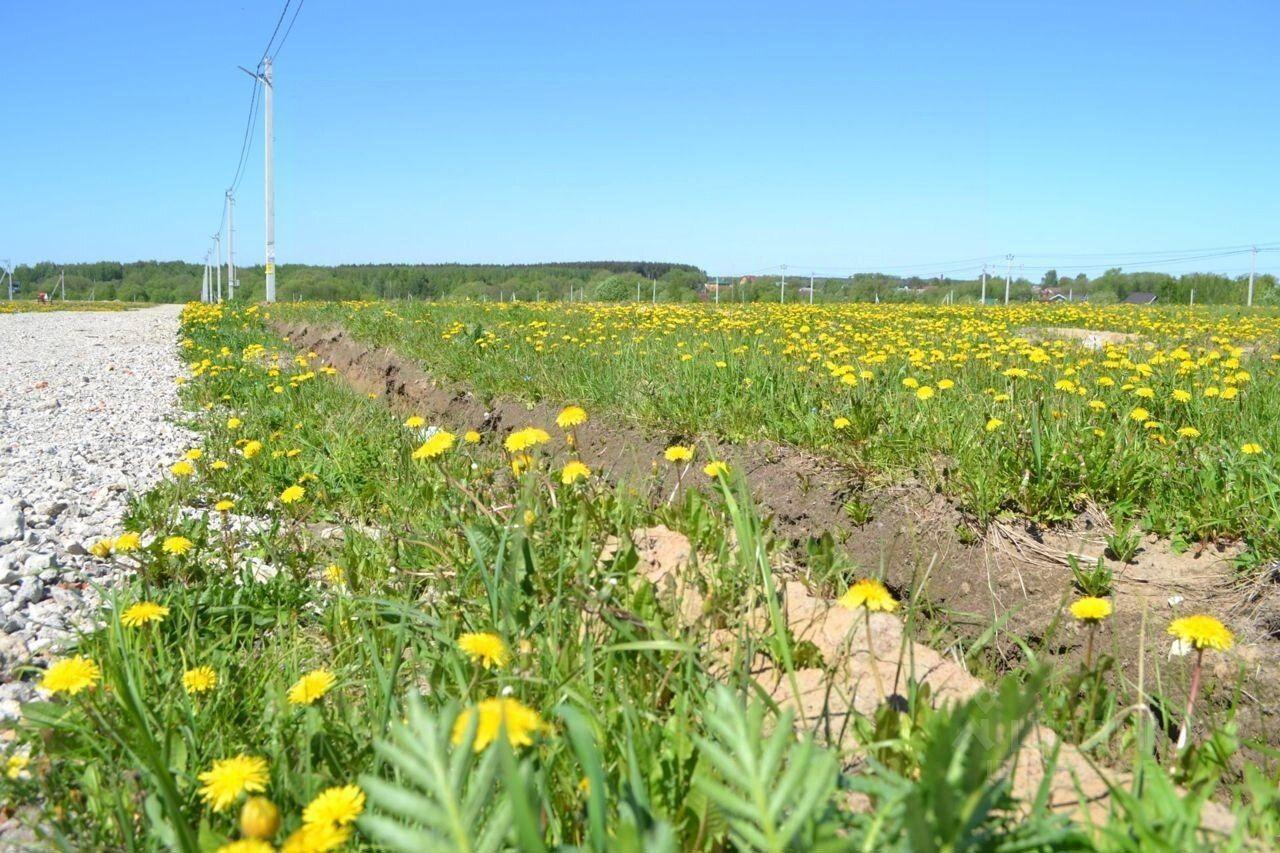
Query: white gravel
point(87, 401)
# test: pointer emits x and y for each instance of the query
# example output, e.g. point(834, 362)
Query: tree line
point(610, 281)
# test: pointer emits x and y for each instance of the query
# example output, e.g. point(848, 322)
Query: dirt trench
point(916, 538)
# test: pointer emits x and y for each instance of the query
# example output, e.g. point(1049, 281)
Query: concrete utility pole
point(984, 284)
point(62, 283)
point(655, 290)
point(217, 242)
point(811, 287)
point(231, 246)
point(269, 179)
point(1253, 268)
point(1008, 279)
point(782, 292)
point(6, 269)
point(204, 280)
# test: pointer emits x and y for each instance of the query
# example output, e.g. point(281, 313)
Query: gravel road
point(87, 406)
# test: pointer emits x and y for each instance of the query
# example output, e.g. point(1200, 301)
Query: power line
point(288, 29)
point(279, 21)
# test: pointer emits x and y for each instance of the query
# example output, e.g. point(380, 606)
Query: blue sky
point(736, 136)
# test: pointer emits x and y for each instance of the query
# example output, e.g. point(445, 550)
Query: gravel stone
point(87, 401)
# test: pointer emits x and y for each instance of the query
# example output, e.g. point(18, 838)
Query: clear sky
point(736, 136)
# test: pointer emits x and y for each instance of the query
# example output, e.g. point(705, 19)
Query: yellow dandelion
point(143, 613)
point(15, 766)
point(193, 454)
point(1189, 432)
point(234, 423)
point(339, 805)
point(1202, 632)
point(259, 819)
point(486, 649)
point(182, 469)
point(335, 574)
point(228, 778)
point(871, 594)
point(247, 845)
point(202, 679)
point(251, 449)
point(293, 494)
point(471, 437)
point(71, 675)
point(127, 542)
point(415, 421)
point(219, 465)
point(1091, 609)
point(840, 423)
point(1250, 448)
point(716, 469)
point(439, 442)
point(678, 453)
point(101, 548)
point(224, 505)
point(570, 417)
point(523, 439)
point(177, 545)
point(310, 687)
point(924, 392)
point(573, 472)
point(993, 424)
point(1139, 414)
point(521, 721)
point(316, 838)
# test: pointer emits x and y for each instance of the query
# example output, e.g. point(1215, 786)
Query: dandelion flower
point(71, 675)
point(193, 454)
point(202, 679)
point(251, 449)
point(143, 613)
point(340, 805)
point(225, 505)
point(101, 548)
point(523, 439)
point(177, 545)
point(840, 423)
point(219, 465)
point(1091, 609)
point(716, 469)
point(1250, 448)
point(335, 574)
point(471, 437)
point(571, 416)
point(310, 687)
point(486, 649)
point(439, 442)
point(871, 594)
point(293, 494)
point(234, 423)
point(259, 818)
point(924, 392)
point(520, 463)
point(1202, 632)
point(573, 472)
point(522, 723)
point(182, 469)
point(1189, 432)
point(246, 845)
point(415, 421)
point(15, 766)
point(316, 838)
point(678, 453)
point(228, 778)
point(126, 542)
point(993, 424)
point(1139, 414)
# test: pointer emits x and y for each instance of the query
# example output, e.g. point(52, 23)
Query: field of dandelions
point(347, 630)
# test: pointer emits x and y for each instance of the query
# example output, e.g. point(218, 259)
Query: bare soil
point(1014, 573)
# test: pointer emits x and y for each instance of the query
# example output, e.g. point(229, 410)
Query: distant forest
point(612, 281)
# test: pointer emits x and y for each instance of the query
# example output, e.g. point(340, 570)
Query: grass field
point(348, 631)
point(19, 306)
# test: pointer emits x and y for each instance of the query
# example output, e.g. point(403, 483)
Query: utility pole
point(1253, 268)
point(810, 287)
point(204, 280)
point(217, 242)
point(62, 283)
point(984, 284)
point(655, 290)
point(269, 179)
point(782, 291)
point(717, 290)
point(1008, 279)
point(7, 269)
point(231, 246)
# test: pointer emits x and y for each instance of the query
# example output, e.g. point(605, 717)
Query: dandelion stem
point(871, 655)
point(1185, 737)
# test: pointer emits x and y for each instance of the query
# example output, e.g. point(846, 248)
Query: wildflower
point(521, 721)
point(71, 675)
point(570, 417)
point(415, 421)
point(293, 494)
point(259, 818)
point(678, 453)
point(310, 687)
point(471, 437)
point(15, 766)
point(316, 838)
point(523, 439)
point(871, 594)
point(945, 384)
point(143, 613)
point(715, 469)
point(486, 649)
point(251, 449)
point(101, 548)
point(521, 462)
point(1250, 448)
point(1202, 632)
point(182, 469)
point(573, 472)
point(924, 392)
point(228, 778)
point(234, 423)
point(994, 424)
point(224, 505)
point(439, 442)
point(177, 545)
point(218, 465)
point(202, 679)
point(840, 423)
point(126, 542)
point(246, 845)
point(1181, 396)
point(334, 574)
point(1189, 432)
point(1139, 414)
point(1091, 609)
point(339, 805)
point(1097, 405)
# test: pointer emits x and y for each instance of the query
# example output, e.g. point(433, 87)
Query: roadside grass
point(1177, 421)
point(627, 735)
point(26, 306)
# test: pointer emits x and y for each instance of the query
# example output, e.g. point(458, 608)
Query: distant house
point(1052, 294)
point(1140, 299)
